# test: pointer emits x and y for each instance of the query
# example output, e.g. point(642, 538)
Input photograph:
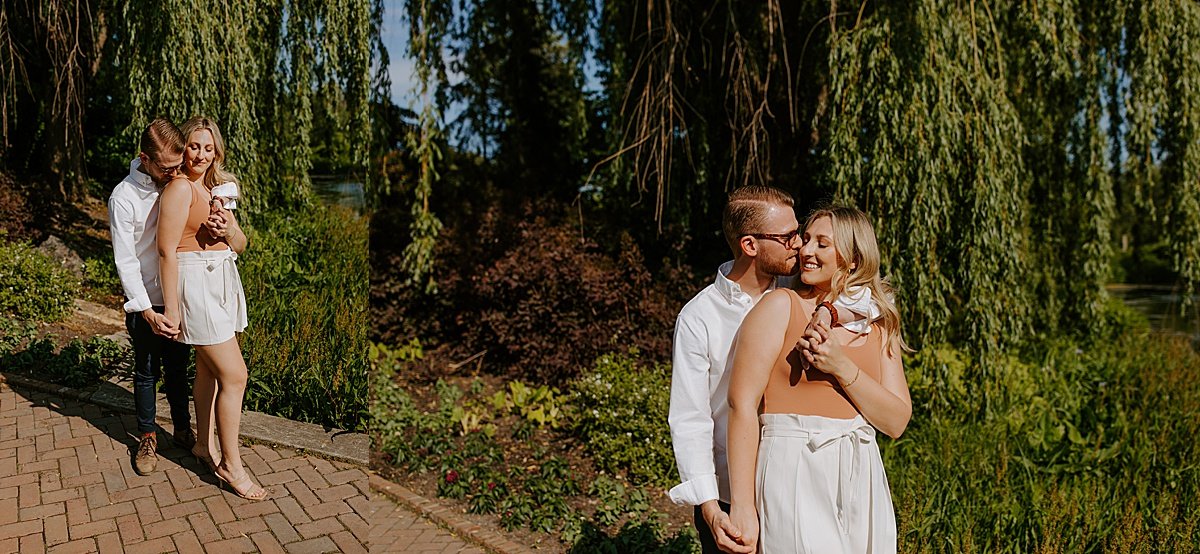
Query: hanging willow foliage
point(49, 51)
point(428, 27)
point(259, 75)
point(989, 142)
point(1008, 152)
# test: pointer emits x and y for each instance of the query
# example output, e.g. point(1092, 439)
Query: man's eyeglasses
point(166, 170)
point(786, 239)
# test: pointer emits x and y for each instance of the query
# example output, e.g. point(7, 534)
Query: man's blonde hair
point(746, 209)
point(161, 137)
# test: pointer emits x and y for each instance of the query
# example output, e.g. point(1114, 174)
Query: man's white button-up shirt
point(699, 412)
point(133, 221)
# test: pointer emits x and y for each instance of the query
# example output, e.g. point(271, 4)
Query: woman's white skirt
point(821, 487)
point(211, 301)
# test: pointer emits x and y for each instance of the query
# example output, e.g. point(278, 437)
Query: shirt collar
point(138, 178)
point(731, 291)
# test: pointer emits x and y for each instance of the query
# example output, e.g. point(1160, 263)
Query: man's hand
point(725, 534)
point(160, 324)
point(740, 519)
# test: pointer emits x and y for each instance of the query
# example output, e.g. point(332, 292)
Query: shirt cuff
point(859, 301)
point(695, 492)
point(139, 304)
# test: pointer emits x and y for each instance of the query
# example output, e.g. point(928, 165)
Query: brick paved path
point(396, 529)
point(67, 485)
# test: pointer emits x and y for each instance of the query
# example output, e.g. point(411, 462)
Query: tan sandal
point(207, 460)
point(261, 494)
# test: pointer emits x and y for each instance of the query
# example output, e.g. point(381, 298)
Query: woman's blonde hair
point(858, 266)
point(216, 174)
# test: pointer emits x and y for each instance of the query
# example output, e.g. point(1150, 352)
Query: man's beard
point(783, 267)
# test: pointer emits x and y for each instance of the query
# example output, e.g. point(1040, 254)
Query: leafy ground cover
point(1078, 446)
point(532, 460)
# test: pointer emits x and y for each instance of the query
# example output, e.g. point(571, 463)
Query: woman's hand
point(217, 222)
point(824, 354)
point(744, 519)
point(170, 319)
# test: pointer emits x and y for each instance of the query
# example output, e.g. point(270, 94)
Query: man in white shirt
point(133, 221)
point(760, 226)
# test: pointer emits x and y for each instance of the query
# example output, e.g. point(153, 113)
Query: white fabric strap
point(226, 264)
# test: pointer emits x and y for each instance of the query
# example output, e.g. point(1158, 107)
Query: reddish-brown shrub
point(535, 297)
point(554, 302)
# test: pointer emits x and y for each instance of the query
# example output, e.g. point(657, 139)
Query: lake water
point(341, 192)
point(1160, 304)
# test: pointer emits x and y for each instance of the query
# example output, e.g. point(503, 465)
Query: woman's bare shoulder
point(178, 183)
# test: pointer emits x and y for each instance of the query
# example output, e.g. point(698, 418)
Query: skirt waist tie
point(225, 265)
point(848, 441)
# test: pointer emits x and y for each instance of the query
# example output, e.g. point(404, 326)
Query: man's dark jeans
point(156, 355)
point(708, 545)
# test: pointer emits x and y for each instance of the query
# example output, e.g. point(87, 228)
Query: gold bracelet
point(854, 380)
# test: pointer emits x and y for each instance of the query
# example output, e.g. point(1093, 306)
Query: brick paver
point(396, 529)
point(67, 485)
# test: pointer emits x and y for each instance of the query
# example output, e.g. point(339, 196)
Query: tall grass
point(1084, 446)
point(305, 276)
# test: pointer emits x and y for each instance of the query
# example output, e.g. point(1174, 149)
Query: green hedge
point(1083, 446)
point(34, 286)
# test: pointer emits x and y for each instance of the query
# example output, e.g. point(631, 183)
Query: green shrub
point(1090, 447)
point(80, 363)
point(635, 537)
point(305, 276)
point(621, 417)
point(100, 275)
point(33, 286)
point(15, 334)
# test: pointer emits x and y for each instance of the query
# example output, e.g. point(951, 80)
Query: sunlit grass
point(305, 276)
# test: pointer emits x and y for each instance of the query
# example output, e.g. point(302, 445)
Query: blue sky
point(395, 38)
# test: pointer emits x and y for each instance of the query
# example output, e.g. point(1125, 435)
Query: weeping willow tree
point(990, 143)
point(49, 51)
point(260, 75)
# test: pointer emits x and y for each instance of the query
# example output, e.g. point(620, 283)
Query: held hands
point(725, 534)
point(824, 354)
point(822, 315)
point(162, 324)
point(743, 519)
point(218, 220)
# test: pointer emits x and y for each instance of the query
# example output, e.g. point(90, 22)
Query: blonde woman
point(815, 482)
point(198, 242)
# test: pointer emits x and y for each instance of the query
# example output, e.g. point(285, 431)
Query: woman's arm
point(172, 218)
point(234, 236)
point(223, 225)
point(755, 350)
point(885, 403)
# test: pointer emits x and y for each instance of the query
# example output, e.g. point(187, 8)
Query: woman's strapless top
point(195, 236)
point(791, 389)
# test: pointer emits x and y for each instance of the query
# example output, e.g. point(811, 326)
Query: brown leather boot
point(146, 458)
